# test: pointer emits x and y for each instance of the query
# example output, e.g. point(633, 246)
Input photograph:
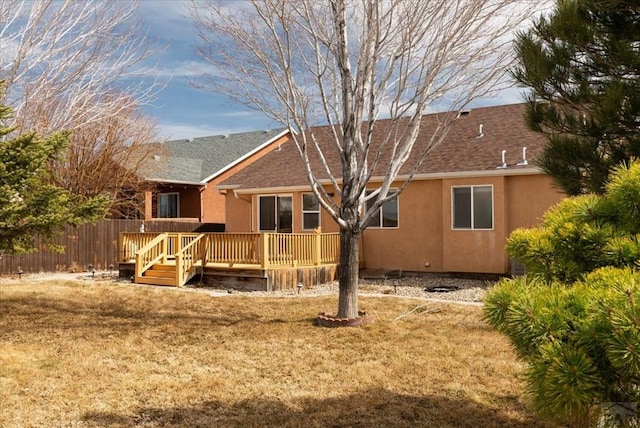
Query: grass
point(78, 355)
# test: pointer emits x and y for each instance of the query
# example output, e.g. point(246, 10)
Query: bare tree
point(349, 63)
point(111, 156)
point(77, 66)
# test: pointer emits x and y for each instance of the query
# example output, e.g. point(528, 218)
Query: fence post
point(264, 250)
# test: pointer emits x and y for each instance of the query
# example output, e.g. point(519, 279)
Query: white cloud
point(183, 69)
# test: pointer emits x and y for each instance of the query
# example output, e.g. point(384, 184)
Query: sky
point(183, 111)
point(180, 110)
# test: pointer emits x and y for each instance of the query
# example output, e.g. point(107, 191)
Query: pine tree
point(582, 65)
point(30, 206)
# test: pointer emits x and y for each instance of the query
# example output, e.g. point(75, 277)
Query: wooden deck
point(254, 261)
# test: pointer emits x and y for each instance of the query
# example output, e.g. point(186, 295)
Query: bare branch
point(69, 54)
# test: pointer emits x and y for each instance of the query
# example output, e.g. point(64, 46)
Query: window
point(472, 207)
point(387, 215)
point(169, 205)
point(310, 211)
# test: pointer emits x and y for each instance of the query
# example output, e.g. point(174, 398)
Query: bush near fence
point(92, 244)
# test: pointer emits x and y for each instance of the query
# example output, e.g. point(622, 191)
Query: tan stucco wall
point(238, 217)
point(425, 240)
point(417, 240)
point(526, 203)
point(474, 250)
point(242, 213)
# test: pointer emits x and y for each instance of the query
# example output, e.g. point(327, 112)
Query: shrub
point(575, 318)
point(581, 343)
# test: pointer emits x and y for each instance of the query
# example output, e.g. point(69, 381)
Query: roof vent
point(523, 161)
point(190, 140)
point(225, 136)
point(464, 113)
point(480, 133)
point(503, 164)
point(156, 157)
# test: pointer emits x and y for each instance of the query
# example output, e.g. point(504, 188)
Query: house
point(188, 171)
point(472, 190)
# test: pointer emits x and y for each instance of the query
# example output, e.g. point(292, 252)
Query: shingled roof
point(198, 160)
point(464, 150)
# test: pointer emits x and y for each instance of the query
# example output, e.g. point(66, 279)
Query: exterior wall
point(148, 205)
point(213, 205)
point(239, 211)
point(478, 251)
point(425, 240)
point(526, 203)
point(189, 201)
point(418, 239)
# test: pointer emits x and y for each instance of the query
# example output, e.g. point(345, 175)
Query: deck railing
point(233, 248)
point(155, 251)
point(188, 257)
point(264, 250)
point(131, 242)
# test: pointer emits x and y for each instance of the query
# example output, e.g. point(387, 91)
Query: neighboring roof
point(199, 160)
point(462, 152)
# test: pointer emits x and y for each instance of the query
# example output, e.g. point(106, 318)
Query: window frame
point(160, 195)
point(472, 208)
point(380, 224)
point(304, 212)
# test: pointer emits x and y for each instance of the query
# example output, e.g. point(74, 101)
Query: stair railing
point(187, 259)
point(151, 253)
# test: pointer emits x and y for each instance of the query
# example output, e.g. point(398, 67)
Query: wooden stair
point(159, 274)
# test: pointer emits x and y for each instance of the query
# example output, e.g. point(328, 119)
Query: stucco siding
point(528, 197)
point(238, 218)
point(478, 251)
point(417, 240)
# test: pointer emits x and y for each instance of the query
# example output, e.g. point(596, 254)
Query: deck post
point(179, 269)
point(318, 244)
point(204, 249)
point(165, 248)
point(264, 250)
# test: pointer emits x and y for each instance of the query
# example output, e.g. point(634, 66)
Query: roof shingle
point(503, 128)
point(198, 160)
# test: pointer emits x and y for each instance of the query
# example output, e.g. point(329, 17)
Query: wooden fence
point(92, 244)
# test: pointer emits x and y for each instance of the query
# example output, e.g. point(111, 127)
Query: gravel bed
point(439, 287)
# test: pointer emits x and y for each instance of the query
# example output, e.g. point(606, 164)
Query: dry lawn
point(119, 355)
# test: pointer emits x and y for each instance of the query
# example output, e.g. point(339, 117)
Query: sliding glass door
point(275, 213)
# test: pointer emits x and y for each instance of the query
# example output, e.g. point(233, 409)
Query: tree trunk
point(349, 266)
